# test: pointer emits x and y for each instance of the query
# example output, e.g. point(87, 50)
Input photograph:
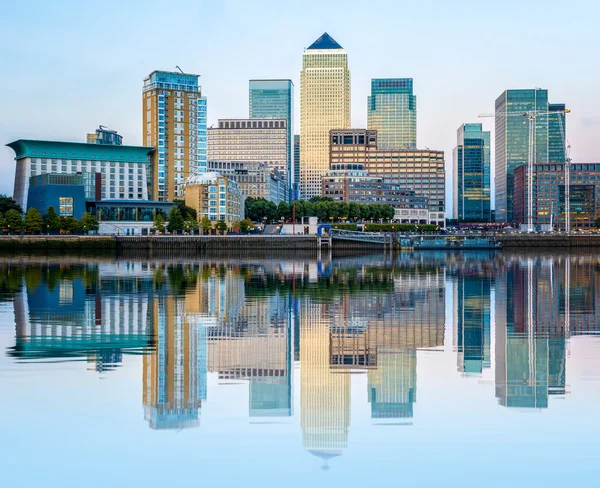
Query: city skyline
point(116, 84)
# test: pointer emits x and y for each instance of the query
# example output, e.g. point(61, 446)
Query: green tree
point(176, 222)
point(69, 224)
point(33, 220)
point(191, 224)
point(159, 223)
point(52, 220)
point(283, 210)
point(13, 220)
point(2, 222)
point(88, 222)
point(8, 203)
point(185, 210)
point(354, 211)
point(221, 226)
point(205, 225)
point(246, 225)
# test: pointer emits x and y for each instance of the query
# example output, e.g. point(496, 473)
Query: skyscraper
point(512, 142)
point(392, 112)
point(274, 99)
point(556, 133)
point(472, 174)
point(324, 105)
point(174, 122)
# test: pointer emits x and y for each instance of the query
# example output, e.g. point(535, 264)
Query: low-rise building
point(214, 195)
point(549, 195)
point(254, 179)
point(129, 217)
point(124, 170)
point(69, 194)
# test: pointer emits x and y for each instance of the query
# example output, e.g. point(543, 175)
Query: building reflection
point(72, 310)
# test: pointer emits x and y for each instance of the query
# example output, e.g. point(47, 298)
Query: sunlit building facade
point(392, 112)
point(324, 105)
point(216, 197)
point(174, 122)
point(472, 174)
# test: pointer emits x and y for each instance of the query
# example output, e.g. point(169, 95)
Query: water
point(427, 369)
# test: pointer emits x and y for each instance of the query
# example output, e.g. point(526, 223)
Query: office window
point(65, 206)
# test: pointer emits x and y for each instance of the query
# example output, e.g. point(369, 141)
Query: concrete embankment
point(510, 241)
point(57, 243)
point(216, 243)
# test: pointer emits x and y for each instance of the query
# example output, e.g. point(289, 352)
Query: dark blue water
point(425, 369)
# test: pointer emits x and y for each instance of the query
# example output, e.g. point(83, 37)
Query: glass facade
point(472, 174)
point(130, 212)
point(556, 133)
point(512, 142)
point(392, 112)
point(296, 167)
point(274, 99)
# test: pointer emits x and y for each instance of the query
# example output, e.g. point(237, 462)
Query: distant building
point(274, 99)
point(549, 195)
point(254, 179)
point(512, 140)
point(125, 170)
point(296, 195)
point(324, 105)
point(105, 136)
point(215, 196)
point(472, 174)
point(251, 140)
point(392, 112)
point(418, 170)
point(174, 122)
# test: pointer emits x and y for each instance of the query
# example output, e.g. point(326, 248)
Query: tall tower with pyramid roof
point(324, 105)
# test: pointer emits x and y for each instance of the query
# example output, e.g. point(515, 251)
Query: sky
point(67, 67)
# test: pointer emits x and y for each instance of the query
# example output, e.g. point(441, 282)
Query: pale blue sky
point(68, 66)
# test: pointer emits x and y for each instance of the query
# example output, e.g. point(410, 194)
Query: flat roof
point(25, 148)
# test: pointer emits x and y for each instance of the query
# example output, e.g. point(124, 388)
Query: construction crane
point(532, 116)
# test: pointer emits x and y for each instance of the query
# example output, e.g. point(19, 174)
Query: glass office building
point(274, 99)
point(296, 167)
point(392, 112)
point(512, 142)
point(556, 133)
point(472, 174)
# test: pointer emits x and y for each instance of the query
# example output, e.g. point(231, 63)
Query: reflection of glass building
point(175, 375)
point(472, 324)
point(392, 112)
point(63, 313)
point(472, 174)
point(393, 384)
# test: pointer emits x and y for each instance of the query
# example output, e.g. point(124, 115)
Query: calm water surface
point(425, 369)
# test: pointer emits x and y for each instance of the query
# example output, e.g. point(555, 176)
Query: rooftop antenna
point(180, 70)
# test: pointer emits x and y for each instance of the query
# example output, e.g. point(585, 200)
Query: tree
point(185, 210)
point(191, 224)
point(246, 225)
point(33, 220)
point(159, 223)
point(2, 222)
point(283, 210)
point(69, 224)
point(176, 222)
point(205, 225)
point(221, 226)
point(13, 220)
point(88, 222)
point(52, 220)
point(354, 211)
point(8, 203)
